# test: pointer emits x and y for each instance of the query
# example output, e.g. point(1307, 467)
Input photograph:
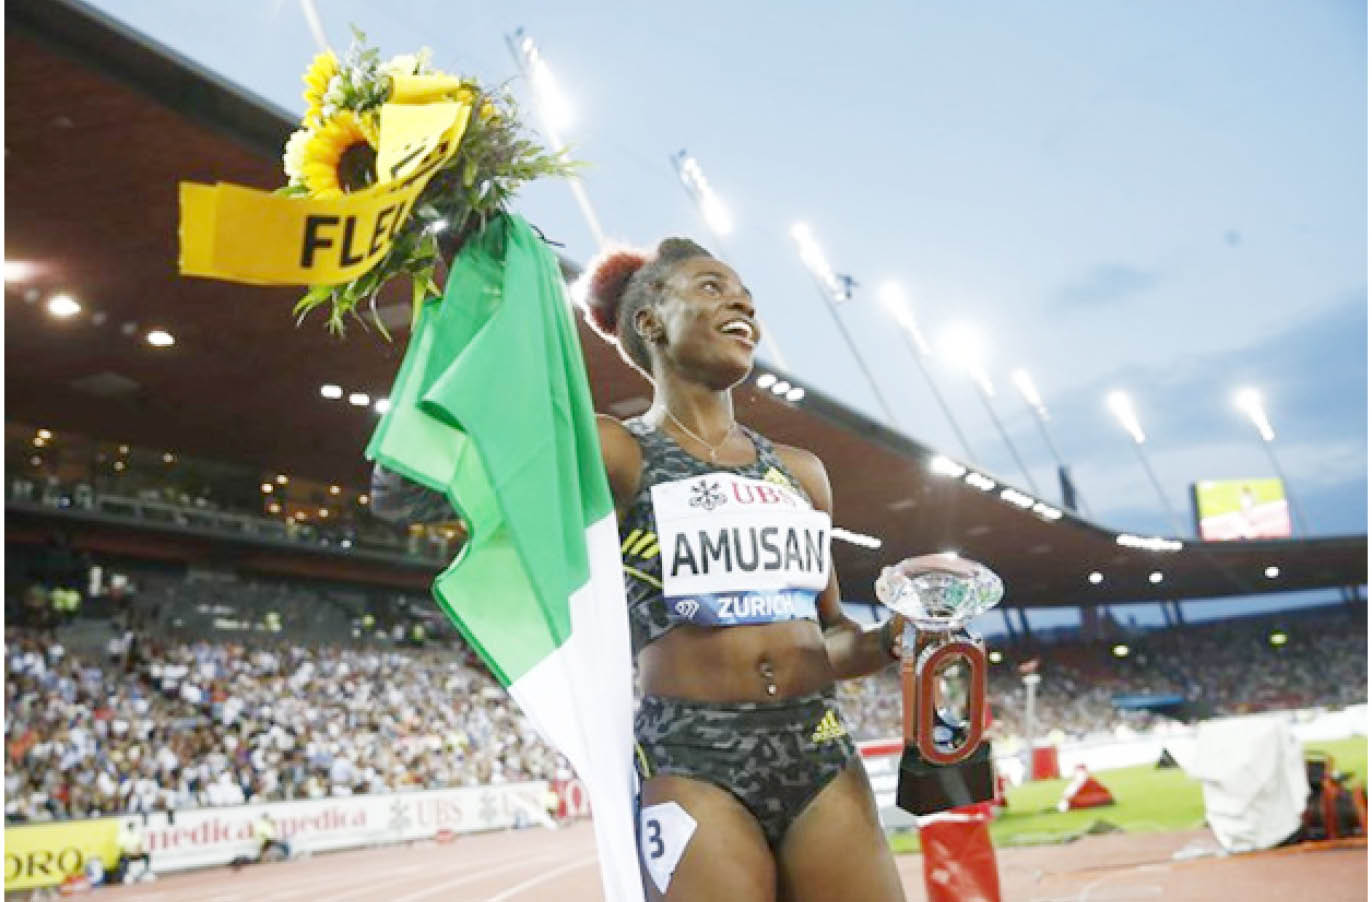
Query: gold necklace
point(713, 449)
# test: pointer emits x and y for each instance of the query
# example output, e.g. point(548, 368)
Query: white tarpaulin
point(1252, 773)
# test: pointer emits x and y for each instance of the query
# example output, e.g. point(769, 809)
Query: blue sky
point(1168, 198)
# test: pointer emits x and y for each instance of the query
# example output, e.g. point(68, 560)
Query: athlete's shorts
point(774, 757)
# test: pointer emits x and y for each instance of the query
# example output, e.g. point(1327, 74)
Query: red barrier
point(1044, 763)
point(959, 860)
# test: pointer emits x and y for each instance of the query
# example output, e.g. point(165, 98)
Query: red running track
point(560, 865)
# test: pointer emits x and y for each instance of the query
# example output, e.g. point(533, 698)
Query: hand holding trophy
point(946, 763)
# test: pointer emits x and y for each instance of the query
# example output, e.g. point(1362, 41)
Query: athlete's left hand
point(892, 634)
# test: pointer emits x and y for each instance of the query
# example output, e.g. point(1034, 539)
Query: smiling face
point(704, 324)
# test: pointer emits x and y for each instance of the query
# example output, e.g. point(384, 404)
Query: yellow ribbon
point(244, 235)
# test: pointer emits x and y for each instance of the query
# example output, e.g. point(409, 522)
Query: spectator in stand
point(134, 861)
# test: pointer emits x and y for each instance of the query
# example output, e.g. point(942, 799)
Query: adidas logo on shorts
point(829, 729)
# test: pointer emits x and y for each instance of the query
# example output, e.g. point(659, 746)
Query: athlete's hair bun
point(604, 284)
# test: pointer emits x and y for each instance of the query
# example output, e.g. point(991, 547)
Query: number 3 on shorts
point(664, 830)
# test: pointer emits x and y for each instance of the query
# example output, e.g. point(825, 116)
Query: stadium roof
point(101, 125)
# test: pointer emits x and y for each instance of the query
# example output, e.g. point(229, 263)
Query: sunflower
point(339, 158)
point(321, 71)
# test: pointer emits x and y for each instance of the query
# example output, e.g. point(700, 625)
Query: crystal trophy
point(946, 763)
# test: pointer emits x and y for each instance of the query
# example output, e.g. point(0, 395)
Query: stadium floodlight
point(1155, 577)
point(893, 300)
point(835, 289)
point(862, 540)
point(995, 657)
point(63, 306)
point(552, 105)
point(1277, 639)
point(716, 215)
point(838, 290)
point(1120, 651)
point(1249, 400)
point(1148, 543)
point(963, 345)
point(1122, 407)
point(1017, 498)
point(1095, 577)
point(1029, 392)
point(980, 481)
point(19, 270)
point(781, 388)
point(1025, 385)
point(330, 391)
point(555, 113)
point(945, 466)
point(766, 380)
point(719, 221)
point(1272, 572)
point(795, 394)
point(359, 399)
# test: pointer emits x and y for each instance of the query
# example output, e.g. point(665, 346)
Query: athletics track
point(560, 865)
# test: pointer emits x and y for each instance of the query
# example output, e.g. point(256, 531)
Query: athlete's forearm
point(855, 652)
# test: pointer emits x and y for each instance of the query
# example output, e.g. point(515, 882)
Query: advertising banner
point(46, 854)
point(214, 836)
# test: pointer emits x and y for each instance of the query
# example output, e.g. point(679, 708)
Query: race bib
point(737, 550)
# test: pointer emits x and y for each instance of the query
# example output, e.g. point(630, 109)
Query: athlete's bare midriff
point(737, 663)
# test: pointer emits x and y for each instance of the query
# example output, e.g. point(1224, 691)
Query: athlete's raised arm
point(853, 651)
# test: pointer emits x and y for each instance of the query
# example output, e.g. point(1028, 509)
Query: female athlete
point(752, 787)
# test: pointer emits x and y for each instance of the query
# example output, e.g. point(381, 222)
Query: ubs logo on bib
point(706, 494)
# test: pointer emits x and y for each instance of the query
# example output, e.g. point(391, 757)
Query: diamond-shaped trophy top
point(935, 597)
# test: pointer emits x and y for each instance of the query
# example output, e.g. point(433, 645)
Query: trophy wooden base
point(926, 788)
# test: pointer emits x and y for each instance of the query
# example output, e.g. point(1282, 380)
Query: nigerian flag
point(491, 407)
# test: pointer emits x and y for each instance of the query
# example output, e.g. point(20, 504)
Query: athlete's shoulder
point(806, 466)
point(613, 430)
point(622, 455)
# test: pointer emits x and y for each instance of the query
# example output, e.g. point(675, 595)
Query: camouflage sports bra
point(718, 545)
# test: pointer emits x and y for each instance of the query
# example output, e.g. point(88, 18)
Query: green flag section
point(491, 407)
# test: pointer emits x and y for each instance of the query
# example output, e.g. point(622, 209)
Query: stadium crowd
point(1227, 667)
point(160, 724)
point(174, 726)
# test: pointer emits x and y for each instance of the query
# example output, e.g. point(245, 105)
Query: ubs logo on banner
point(400, 816)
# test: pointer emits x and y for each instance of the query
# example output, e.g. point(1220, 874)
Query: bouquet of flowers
point(334, 153)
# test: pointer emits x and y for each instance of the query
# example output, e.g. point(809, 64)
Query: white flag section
point(491, 407)
point(596, 655)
